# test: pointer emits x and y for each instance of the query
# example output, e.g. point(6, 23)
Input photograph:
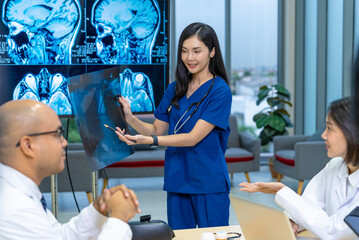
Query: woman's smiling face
point(195, 55)
point(335, 140)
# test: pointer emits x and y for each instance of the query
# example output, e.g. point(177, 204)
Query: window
point(253, 55)
point(210, 12)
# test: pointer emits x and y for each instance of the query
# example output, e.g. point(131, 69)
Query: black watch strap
point(155, 140)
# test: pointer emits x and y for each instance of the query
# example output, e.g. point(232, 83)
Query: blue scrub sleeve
point(218, 108)
point(161, 111)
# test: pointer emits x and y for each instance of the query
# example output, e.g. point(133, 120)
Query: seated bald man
point(32, 147)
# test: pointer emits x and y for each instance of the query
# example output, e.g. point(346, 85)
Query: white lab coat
point(327, 199)
point(23, 217)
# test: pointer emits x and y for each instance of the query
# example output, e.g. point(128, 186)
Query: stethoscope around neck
point(177, 128)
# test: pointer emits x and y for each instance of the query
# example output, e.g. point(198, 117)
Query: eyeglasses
point(60, 134)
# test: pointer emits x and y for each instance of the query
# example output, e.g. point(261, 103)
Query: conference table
point(196, 233)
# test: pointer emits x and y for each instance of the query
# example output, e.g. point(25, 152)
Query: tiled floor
point(153, 199)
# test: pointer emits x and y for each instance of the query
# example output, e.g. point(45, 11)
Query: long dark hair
point(208, 36)
point(341, 112)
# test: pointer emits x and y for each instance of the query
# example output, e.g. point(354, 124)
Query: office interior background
point(306, 45)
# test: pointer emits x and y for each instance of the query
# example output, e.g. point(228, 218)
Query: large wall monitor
point(100, 48)
point(45, 43)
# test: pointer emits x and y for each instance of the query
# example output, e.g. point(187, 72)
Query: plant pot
point(271, 169)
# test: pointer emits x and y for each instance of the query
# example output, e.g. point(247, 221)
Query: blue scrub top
point(200, 169)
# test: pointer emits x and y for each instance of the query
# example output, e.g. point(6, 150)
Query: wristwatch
point(155, 141)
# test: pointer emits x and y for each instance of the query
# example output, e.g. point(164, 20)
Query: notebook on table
point(260, 222)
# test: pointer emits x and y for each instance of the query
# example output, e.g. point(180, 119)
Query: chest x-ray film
point(95, 104)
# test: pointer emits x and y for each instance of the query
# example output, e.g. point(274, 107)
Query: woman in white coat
point(334, 191)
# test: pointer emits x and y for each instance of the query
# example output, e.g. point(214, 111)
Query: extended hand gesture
point(270, 187)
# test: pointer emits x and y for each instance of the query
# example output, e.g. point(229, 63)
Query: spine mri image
point(126, 30)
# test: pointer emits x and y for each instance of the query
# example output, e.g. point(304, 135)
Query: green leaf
point(266, 135)
point(263, 93)
point(261, 119)
point(263, 87)
point(282, 90)
point(273, 101)
point(269, 131)
point(282, 112)
point(287, 102)
point(258, 115)
point(283, 95)
point(264, 138)
point(285, 115)
point(276, 122)
point(288, 123)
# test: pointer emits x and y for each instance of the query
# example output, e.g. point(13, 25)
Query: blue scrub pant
point(205, 210)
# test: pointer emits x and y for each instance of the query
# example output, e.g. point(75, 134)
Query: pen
point(111, 128)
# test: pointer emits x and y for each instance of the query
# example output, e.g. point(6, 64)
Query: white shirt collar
point(351, 182)
point(20, 181)
point(343, 173)
point(354, 178)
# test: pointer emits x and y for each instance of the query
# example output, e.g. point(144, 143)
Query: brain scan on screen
point(138, 90)
point(41, 31)
point(44, 43)
point(135, 87)
point(51, 89)
point(126, 30)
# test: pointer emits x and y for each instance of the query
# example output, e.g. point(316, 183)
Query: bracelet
point(155, 140)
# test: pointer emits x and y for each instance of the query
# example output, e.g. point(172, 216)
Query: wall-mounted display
point(90, 33)
point(47, 45)
point(45, 83)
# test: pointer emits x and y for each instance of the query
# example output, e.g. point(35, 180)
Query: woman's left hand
point(132, 140)
point(270, 187)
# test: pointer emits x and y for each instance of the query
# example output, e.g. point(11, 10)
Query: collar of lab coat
point(20, 181)
point(353, 180)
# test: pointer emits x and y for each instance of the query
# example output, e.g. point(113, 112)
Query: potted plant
point(274, 119)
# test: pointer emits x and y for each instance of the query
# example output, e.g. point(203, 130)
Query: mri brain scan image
point(138, 90)
point(41, 31)
point(126, 30)
point(47, 88)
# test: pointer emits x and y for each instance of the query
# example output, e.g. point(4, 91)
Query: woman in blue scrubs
point(195, 109)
